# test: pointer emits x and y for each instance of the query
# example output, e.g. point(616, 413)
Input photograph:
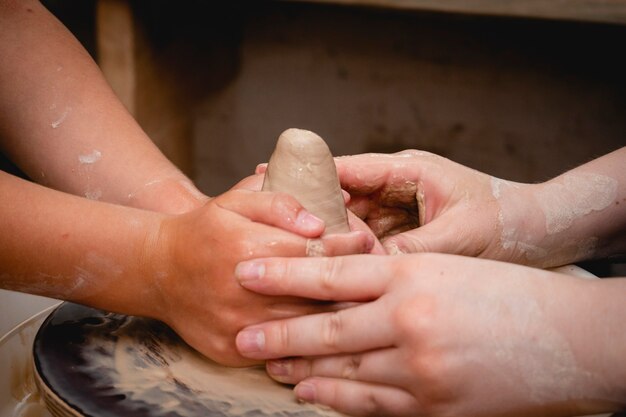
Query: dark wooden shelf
point(601, 11)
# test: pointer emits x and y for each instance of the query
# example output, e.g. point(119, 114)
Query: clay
point(303, 167)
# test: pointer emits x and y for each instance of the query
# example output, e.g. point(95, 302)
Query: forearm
point(576, 216)
point(595, 323)
point(63, 125)
point(61, 246)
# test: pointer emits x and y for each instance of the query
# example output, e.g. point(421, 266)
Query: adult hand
point(440, 335)
point(196, 257)
point(419, 202)
point(416, 201)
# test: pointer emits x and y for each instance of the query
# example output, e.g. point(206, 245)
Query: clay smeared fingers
point(269, 241)
point(371, 366)
point(386, 221)
point(352, 243)
point(357, 398)
point(320, 334)
point(274, 209)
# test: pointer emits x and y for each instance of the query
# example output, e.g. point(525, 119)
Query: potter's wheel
point(92, 363)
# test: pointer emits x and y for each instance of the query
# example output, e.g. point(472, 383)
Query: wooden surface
point(140, 75)
point(606, 11)
point(521, 99)
point(116, 48)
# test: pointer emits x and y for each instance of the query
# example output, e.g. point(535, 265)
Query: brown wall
point(519, 99)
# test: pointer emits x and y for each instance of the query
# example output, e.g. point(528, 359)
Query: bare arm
point(176, 268)
point(62, 124)
point(577, 216)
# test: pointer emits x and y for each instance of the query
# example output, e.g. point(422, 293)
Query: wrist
point(168, 195)
point(576, 216)
point(154, 266)
point(527, 218)
point(520, 224)
point(129, 258)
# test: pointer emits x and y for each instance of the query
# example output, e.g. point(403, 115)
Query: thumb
point(358, 224)
point(438, 236)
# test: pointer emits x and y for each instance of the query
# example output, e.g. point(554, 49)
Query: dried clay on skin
point(59, 121)
point(575, 196)
point(86, 161)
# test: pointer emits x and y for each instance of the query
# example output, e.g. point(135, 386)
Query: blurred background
point(522, 90)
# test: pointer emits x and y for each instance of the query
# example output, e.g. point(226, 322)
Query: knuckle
point(415, 244)
point(415, 318)
point(283, 336)
point(303, 368)
point(329, 274)
point(432, 374)
point(372, 406)
point(282, 203)
point(331, 329)
point(351, 368)
point(315, 248)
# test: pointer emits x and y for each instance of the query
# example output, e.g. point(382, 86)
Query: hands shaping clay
point(303, 167)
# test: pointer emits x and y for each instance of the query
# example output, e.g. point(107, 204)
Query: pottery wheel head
point(92, 363)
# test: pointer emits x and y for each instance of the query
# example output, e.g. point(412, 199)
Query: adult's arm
point(435, 334)
point(61, 123)
point(420, 202)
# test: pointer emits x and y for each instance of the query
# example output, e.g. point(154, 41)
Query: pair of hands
point(202, 247)
point(195, 277)
point(423, 333)
point(441, 334)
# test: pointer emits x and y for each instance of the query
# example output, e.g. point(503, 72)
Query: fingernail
point(308, 221)
point(305, 392)
point(250, 341)
point(369, 243)
point(279, 367)
point(249, 271)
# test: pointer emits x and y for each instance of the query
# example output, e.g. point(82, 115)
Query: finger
point(443, 235)
point(348, 278)
point(261, 168)
point(320, 334)
point(346, 196)
point(391, 220)
point(382, 366)
point(363, 173)
point(257, 240)
point(359, 205)
point(340, 244)
point(252, 183)
point(367, 173)
point(358, 224)
point(358, 398)
point(274, 209)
